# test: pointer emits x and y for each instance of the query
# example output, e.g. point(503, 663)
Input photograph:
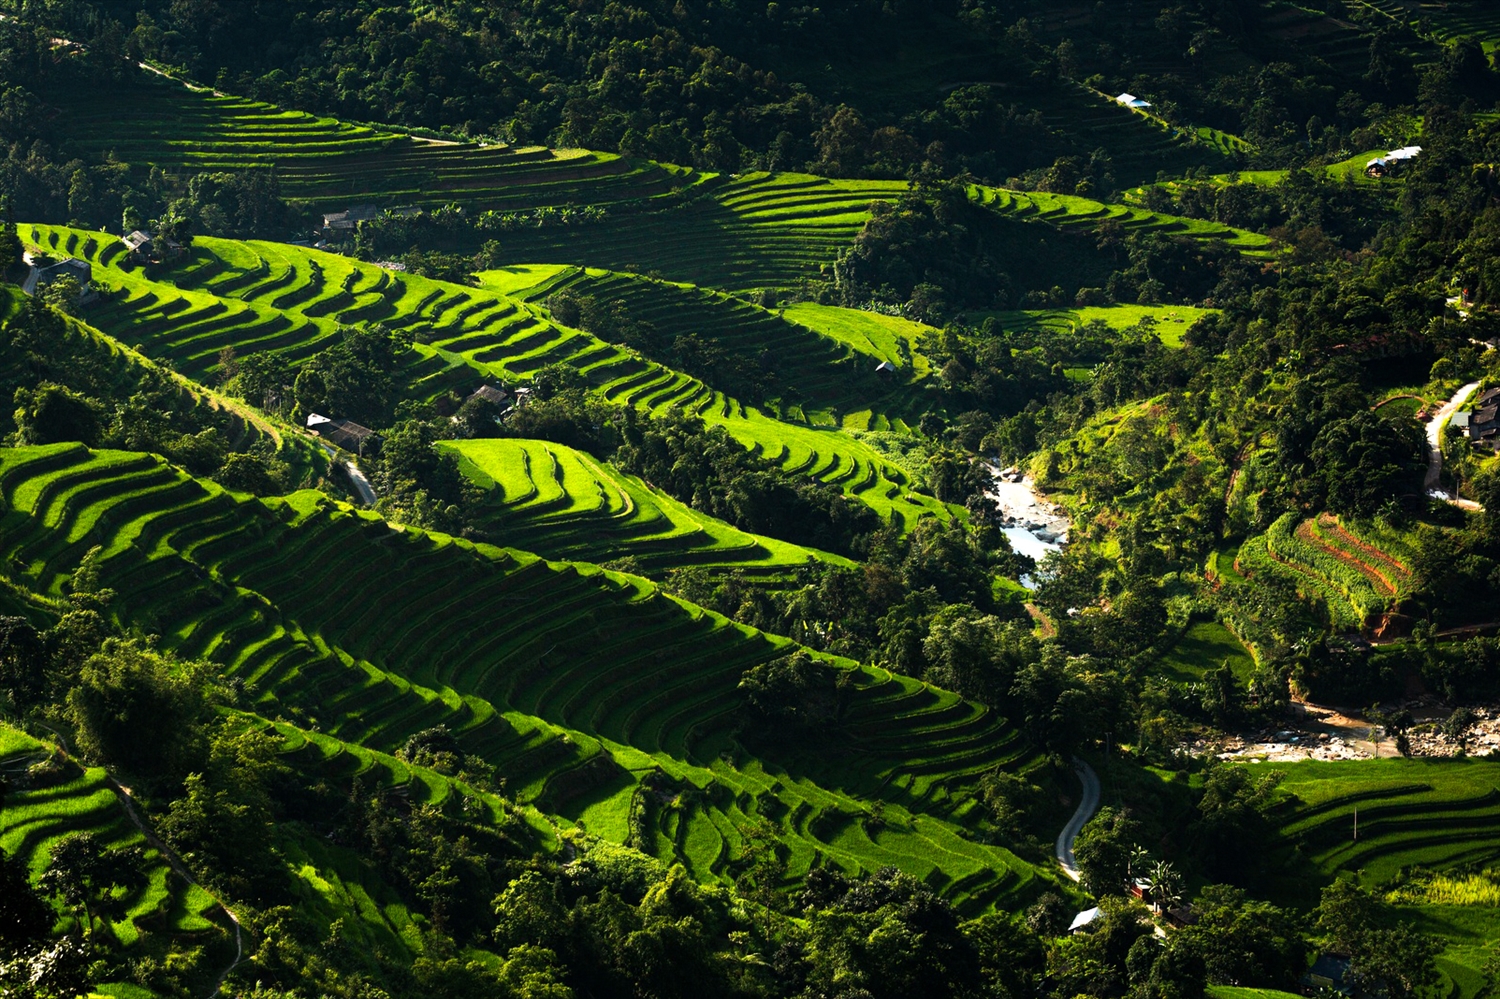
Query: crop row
point(817, 373)
point(52, 799)
point(563, 503)
point(1451, 818)
point(1255, 558)
point(332, 163)
point(369, 633)
point(266, 296)
point(1288, 544)
point(1071, 211)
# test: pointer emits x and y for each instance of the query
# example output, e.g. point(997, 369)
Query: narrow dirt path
point(1046, 627)
point(1087, 806)
point(181, 870)
point(133, 812)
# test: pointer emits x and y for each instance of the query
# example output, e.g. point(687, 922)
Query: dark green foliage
point(1364, 460)
point(127, 687)
point(25, 919)
point(90, 880)
point(711, 470)
point(24, 663)
point(1241, 941)
point(1394, 960)
point(1231, 831)
point(52, 413)
point(794, 692)
point(356, 377)
point(1103, 851)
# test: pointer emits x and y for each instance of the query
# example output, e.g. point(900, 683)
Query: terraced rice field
point(565, 504)
point(332, 163)
point(575, 683)
point(734, 232)
point(825, 377)
point(1139, 144)
point(1070, 211)
point(257, 296)
point(1440, 814)
point(1356, 578)
point(43, 808)
point(1443, 22)
point(754, 230)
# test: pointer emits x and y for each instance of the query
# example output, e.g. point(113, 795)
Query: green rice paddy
point(563, 503)
point(256, 296)
point(1170, 321)
point(49, 802)
point(1204, 647)
point(575, 683)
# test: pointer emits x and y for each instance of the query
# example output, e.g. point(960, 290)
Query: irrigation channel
point(1034, 526)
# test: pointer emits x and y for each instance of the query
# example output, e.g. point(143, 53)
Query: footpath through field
point(1086, 809)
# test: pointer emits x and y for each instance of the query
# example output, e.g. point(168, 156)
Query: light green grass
point(870, 333)
point(1441, 814)
point(1240, 992)
point(1171, 321)
point(1204, 647)
point(565, 503)
point(519, 277)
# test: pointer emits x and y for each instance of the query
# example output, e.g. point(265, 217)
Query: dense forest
point(590, 574)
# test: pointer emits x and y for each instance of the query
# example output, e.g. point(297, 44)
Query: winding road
point(1086, 809)
point(1435, 436)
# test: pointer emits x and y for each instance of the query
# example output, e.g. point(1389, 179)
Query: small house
point(1083, 920)
point(1392, 162)
point(1132, 101)
point(1328, 972)
point(885, 369)
point(344, 434)
point(1484, 426)
point(490, 394)
point(144, 248)
point(79, 270)
point(350, 218)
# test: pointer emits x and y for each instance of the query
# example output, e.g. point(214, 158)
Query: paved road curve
point(1086, 809)
point(1435, 435)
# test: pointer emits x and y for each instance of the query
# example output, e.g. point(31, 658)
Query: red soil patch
point(1306, 533)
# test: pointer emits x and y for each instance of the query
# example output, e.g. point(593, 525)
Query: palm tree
point(1138, 860)
point(1165, 887)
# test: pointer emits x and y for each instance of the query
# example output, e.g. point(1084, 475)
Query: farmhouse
point(1132, 101)
point(1482, 426)
point(1392, 162)
point(345, 434)
point(885, 369)
point(1083, 919)
point(350, 218)
point(79, 270)
point(490, 394)
point(144, 248)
